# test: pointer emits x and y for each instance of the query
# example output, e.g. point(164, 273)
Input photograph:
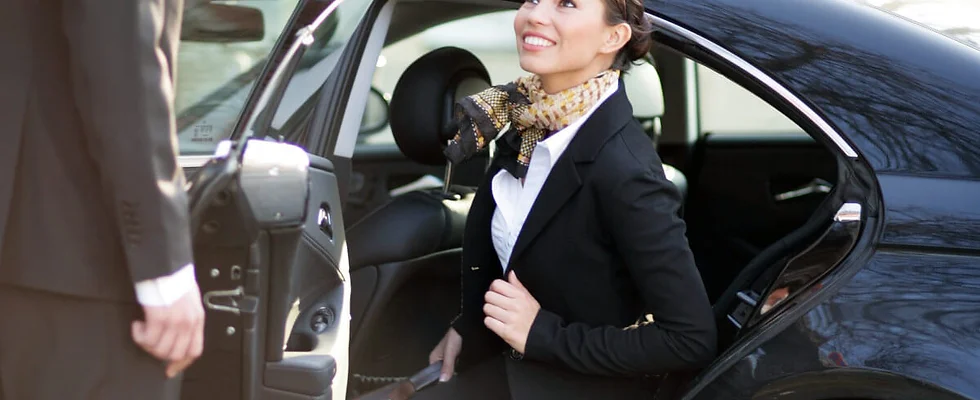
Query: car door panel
point(318, 333)
point(733, 212)
point(271, 257)
point(272, 265)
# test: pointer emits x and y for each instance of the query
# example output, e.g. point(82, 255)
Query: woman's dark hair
point(633, 14)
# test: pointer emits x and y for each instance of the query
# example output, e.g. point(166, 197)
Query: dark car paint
point(902, 313)
point(931, 214)
point(920, 328)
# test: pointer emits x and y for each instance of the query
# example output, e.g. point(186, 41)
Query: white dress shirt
point(166, 290)
point(514, 200)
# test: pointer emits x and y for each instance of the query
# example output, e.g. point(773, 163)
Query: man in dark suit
point(97, 286)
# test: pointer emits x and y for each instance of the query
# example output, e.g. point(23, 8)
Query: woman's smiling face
point(566, 42)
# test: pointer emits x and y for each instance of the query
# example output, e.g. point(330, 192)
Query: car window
point(726, 108)
point(498, 52)
point(217, 69)
point(315, 68)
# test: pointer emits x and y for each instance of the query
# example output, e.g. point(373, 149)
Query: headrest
point(424, 98)
point(644, 91)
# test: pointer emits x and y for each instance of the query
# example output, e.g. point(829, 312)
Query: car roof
point(907, 97)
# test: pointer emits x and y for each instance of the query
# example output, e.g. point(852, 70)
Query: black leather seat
point(423, 221)
point(405, 256)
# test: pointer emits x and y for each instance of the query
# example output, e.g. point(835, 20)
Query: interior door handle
point(325, 220)
point(815, 186)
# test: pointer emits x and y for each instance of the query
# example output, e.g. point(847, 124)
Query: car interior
point(754, 203)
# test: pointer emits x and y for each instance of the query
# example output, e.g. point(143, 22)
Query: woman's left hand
point(510, 311)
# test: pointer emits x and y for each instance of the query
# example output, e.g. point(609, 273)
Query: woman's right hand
point(447, 351)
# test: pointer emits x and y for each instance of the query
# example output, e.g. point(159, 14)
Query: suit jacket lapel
point(565, 179)
point(562, 183)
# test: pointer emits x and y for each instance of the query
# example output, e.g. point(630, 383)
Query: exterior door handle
point(815, 186)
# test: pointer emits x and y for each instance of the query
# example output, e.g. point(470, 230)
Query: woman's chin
point(536, 66)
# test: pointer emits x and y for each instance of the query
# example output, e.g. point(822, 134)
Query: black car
point(829, 152)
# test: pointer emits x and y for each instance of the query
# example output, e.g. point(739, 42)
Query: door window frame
point(808, 119)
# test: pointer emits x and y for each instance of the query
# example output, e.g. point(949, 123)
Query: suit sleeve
point(641, 215)
point(122, 65)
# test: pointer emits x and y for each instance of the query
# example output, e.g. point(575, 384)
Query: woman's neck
point(559, 81)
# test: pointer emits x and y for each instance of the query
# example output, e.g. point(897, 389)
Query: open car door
point(270, 252)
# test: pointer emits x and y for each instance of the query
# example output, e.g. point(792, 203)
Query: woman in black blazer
point(578, 282)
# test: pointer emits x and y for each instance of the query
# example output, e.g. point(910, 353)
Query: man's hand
point(174, 333)
point(510, 311)
point(447, 351)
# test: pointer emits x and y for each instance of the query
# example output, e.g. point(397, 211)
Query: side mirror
point(221, 23)
point(375, 113)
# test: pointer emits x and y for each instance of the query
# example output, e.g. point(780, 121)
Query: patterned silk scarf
point(533, 115)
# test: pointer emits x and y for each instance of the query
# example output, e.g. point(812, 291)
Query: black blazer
point(601, 247)
point(91, 196)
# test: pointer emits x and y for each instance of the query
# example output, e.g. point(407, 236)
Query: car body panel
point(926, 333)
point(928, 213)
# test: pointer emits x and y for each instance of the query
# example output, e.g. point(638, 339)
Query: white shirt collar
point(556, 144)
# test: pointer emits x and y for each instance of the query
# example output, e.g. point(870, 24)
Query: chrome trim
point(849, 212)
point(734, 321)
point(746, 298)
point(762, 77)
point(816, 186)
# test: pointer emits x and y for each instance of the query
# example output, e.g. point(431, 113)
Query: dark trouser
point(61, 347)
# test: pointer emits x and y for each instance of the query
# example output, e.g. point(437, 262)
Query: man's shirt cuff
point(166, 290)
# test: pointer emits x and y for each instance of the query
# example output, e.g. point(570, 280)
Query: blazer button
point(515, 355)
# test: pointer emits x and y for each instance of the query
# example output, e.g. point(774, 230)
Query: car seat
point(405, 256)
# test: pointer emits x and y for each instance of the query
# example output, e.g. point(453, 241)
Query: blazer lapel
point(562, 183)
point(565, 179)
